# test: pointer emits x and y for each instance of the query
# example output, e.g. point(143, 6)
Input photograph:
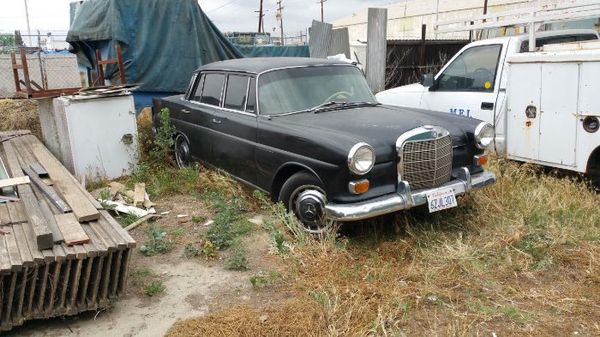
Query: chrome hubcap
point(182, 152)
point(308, 204)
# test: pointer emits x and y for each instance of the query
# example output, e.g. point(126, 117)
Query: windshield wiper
point(337, 105)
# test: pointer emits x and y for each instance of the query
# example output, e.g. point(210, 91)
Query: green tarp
point(163, 41)
point(274, 51)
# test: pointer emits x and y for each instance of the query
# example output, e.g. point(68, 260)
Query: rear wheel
point(304, 195)
point(182, 151)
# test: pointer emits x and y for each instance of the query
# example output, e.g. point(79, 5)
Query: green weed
point(157, 243)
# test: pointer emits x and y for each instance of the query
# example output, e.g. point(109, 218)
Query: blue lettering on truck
point(461, 112)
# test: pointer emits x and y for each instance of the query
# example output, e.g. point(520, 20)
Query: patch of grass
point(198, 219)
point(237, 260)
point(191, 251)
point(157, 243)
point(126, 219)
point(147, 282)
point(263, 279)
point(155, 288)
point(229, 221)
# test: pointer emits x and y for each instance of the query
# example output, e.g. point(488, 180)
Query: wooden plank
point(139, 194)
point(50, 220)
point(9, 297)
point(42, 289)
point(122, 235)
point(4, 215)
point(22, 283)
point(96, 279)
point(71, 230)
point(32, 288)
point(32, 210)
point(22, 245)
point(69, 251)
point(99, 245)
point(78, 201)
point(115, 270)
point(5, 266)
point(14, 181)
point(47, 191)
point(74, 281)
point(65, 283)
point(31, 242)
point(13, 251)
point(86, 276)
point(108, 242)
point(16, 212)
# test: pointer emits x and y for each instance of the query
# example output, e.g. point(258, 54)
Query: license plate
point(441, 199)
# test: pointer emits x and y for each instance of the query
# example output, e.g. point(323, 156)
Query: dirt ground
point(193, 287)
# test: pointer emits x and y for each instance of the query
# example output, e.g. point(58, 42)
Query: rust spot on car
point(528, 124)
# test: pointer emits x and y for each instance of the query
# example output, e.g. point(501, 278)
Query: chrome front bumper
point(404, 198)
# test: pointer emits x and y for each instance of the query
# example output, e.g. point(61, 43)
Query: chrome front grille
point(426, 163)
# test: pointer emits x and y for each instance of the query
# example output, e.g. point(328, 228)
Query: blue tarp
point(163, 41)
point(274, 51)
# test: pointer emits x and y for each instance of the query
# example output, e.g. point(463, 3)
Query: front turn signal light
point(359, 186)
point(481, 159)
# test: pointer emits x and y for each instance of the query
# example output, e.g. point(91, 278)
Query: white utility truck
point(544, 105)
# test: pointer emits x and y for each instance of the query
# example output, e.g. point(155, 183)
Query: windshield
point(298, 89)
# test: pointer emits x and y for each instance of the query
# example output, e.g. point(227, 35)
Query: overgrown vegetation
point(157, 243)
point(519, 257)
point(237, 260)
point(147, 282)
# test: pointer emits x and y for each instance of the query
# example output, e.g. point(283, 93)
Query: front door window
point(474, 70)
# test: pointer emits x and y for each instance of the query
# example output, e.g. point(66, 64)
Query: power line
point(261, 15)
point(224, 5)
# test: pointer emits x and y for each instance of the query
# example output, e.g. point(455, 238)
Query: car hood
point(378, 126)
point(410, 88)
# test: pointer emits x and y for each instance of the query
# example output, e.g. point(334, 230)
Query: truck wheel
point(304, 195)
point(182, 151)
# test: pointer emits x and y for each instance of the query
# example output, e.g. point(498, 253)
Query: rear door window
point(198, 89)
point(213, 88)
point(237, 89)
point(473, 70)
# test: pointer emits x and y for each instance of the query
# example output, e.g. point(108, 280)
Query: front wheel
point(304, 195)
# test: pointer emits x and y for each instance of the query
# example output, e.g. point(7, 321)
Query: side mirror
point(428, 80)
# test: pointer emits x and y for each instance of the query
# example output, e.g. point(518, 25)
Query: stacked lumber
point(60, 253)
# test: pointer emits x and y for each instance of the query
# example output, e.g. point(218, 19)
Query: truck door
point(469, 84)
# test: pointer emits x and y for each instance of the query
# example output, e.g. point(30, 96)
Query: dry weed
point(20, 114)
point(518, 258)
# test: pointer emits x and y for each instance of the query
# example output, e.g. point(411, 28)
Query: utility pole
point(322, 2)
point(261, 25)
point(28, 29)
point(280, 15)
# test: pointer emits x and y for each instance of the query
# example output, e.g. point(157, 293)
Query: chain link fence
point(49, 64)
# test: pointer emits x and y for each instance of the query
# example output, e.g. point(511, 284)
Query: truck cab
point(474, 82)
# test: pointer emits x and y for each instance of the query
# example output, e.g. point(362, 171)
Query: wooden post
point(120, 64)
point(25, 72)
point(376, 48)
point(423, 43)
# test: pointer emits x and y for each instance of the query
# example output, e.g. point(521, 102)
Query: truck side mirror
point(428, 80)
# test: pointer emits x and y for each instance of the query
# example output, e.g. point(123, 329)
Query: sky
point(228, 15)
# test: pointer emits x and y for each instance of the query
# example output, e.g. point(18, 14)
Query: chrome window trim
point(294, 67)
point(435, 132)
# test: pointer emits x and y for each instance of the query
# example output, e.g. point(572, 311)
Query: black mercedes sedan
point(311, 134)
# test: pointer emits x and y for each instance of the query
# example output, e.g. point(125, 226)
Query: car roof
point(256, 65)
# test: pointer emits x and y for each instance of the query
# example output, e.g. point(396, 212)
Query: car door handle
point(185, 111)
point(216, 121)
point(487, 106)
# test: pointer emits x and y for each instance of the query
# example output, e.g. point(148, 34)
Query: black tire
point(183, 157)
point(293, 187)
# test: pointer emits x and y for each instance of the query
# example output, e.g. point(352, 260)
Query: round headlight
point(484, 135)
point(361, 158)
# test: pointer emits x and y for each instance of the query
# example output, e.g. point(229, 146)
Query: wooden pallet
point(83, 266)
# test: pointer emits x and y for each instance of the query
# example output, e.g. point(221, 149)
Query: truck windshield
point(299, 89)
